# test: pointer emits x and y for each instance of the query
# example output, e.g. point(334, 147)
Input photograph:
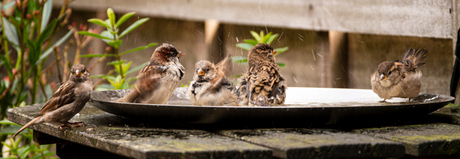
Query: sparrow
point(210, 85)
point(67, 101)
point(159, 78)
point(263, 84)
point(399, 78)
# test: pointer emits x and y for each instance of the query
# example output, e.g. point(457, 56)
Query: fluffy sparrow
point(399, 78)
point(263, 84)
point(158, 79)
point(210, 85)
point(67, 101)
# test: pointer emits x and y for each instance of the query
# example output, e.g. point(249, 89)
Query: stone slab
point(318, 143)
point(134, 139)
point(421, 140)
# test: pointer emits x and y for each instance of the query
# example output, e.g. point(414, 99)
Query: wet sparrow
point(399, 78)
point(158, 79)
point(67, 101)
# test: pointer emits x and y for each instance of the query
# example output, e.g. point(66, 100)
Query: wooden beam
point(422, 18)
point(338, 62)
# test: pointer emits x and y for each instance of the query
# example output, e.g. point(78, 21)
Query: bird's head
point(166, 53)
point(78, 73)
point(262, 52)
point(388, 72)
point(205, 71)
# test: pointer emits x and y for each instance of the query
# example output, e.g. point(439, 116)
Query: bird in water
point(210, 85)
point(68, 100)
point(263, 84)
point(399, 78)
point(158, 79)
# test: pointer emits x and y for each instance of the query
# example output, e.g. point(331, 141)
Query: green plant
point(112, 37)
point(258, 38)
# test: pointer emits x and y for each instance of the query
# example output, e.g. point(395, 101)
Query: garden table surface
point(110, 136)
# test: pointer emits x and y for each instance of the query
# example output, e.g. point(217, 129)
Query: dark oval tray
point(318, 105)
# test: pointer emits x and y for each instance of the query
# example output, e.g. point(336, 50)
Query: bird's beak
point(274, 52)
point(200, 72)
point(180, 54)
point(383, 77)
point(77, 73)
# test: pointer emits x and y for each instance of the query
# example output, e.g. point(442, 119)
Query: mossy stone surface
point(318, 143)
point(134, 139)
point(421, 140)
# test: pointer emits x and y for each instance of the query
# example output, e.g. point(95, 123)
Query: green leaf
point(98, 22)
point(244, 46)
point(130, 79)
point(281, 50)
point(266, 37)
point(124, 18)
point(7, 5)
point(115, 44)
point(97, 55)
point(7, 122)
point(106, 34)
point(107, 22)
point(11, 33)
point(46, 33)
point(116, 63)
point(133, 26)
point(239, 59)
point(251, 41)
point(47, 9)
point(272, 38)
point(124, 66)
point(104, 87)
point(256, 36)
point(281, 64)
point(139, 48)
point(111, 16)
point(135, 69)
point(8, 66)
point(100, 76)
point(262, 36)
point(11, 129)
point(94, 35)
point(49, 50)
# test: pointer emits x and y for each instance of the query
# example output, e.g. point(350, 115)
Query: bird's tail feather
point(32, 122)
point(414, 57)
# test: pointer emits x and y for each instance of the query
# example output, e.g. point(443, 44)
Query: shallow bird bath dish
point(318, 105)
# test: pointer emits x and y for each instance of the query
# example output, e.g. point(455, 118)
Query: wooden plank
point(421, 140)
point(423, 18)
point(135, 139)
point(318, 143)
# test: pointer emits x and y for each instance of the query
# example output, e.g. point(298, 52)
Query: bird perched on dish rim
point(68, 100)
point(399, 78)
point(263, 84)
point(158, 79)
point(210, 85)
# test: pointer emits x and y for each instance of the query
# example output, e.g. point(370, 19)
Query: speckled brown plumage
point(210, 85)
point(399, 78)
point(158, 79)
point(67, 101)
point(263, 84)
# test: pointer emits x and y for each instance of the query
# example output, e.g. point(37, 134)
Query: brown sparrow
point(399, 78)
point(67, 101)
point(263, 84)
point(210, 85)
point(157, 80)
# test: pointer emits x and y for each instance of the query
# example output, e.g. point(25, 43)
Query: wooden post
point(323, 49)
point(213, 41)
point(455, 90)
point(338, 59)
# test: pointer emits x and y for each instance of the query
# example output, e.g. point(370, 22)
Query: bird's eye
point(207, 69)
point(83, 71)
point(269, 51)
point(389, 73)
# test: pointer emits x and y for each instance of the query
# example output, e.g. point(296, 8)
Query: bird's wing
point(149, 77)
point(64, 95)
point(412, 58)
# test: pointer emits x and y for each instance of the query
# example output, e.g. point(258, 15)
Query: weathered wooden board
point(421, 140)
point(318, 143)
point(423, 18)
point(134, 139)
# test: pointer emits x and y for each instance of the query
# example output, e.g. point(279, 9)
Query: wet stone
point(318, 143)
point(134, 139)
point(421, 140)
